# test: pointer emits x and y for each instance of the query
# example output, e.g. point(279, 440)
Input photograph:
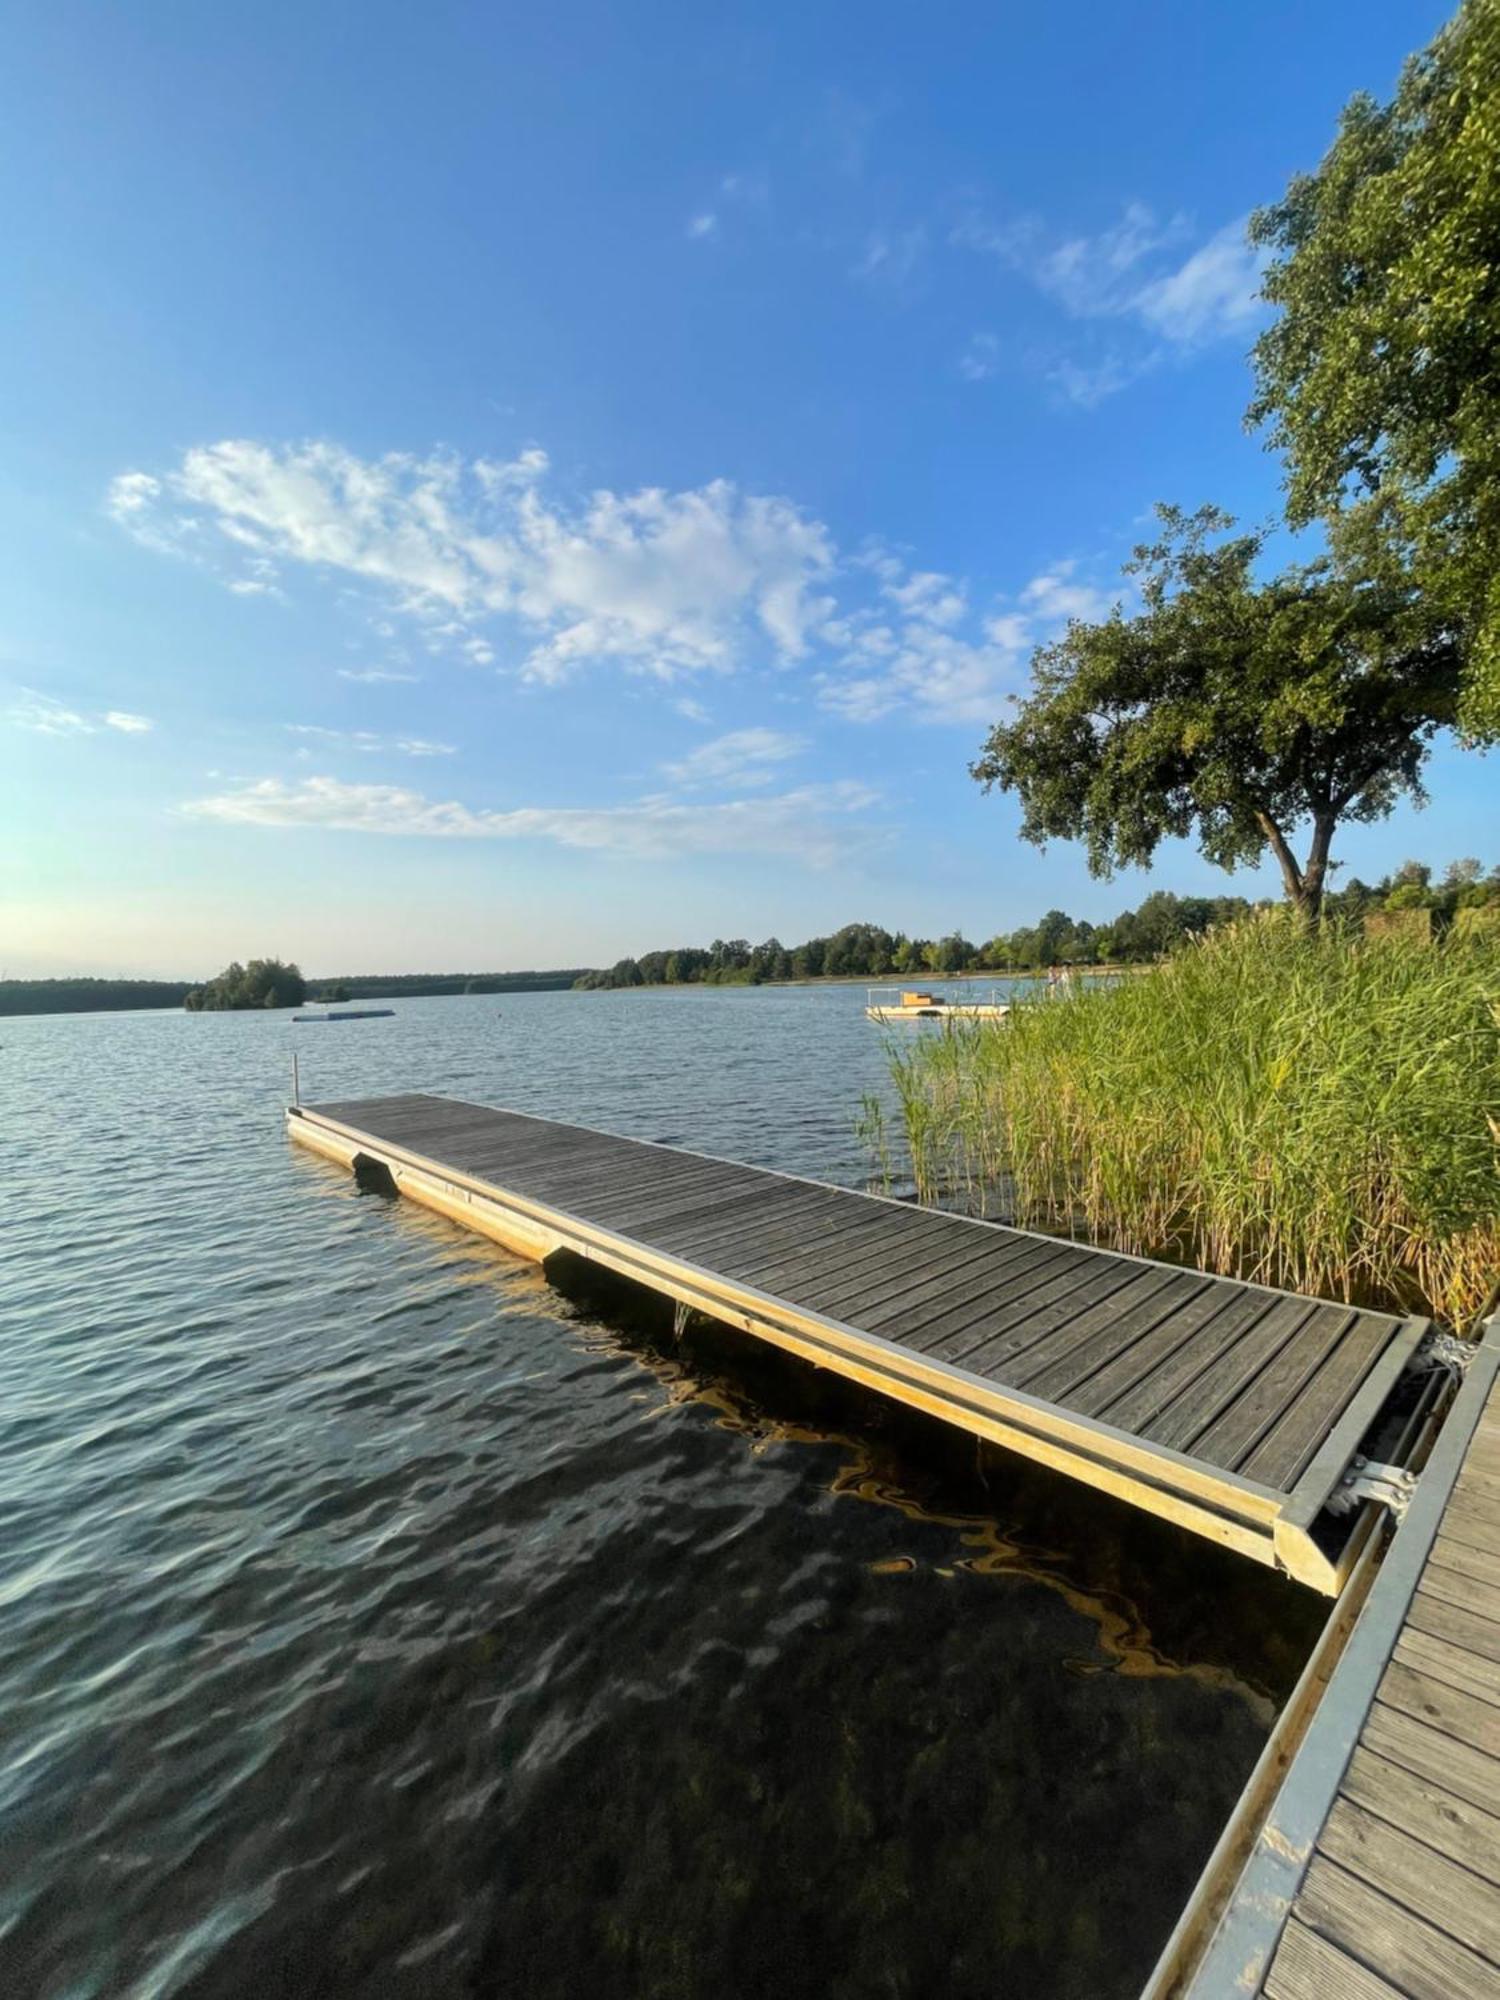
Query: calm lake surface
point(377, 1621)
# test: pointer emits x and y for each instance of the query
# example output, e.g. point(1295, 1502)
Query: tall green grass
point(1315, 1111)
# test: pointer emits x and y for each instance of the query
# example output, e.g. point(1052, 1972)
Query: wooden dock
point(1375, 1874)
point(1227, 1408)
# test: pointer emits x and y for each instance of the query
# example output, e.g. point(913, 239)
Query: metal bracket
point(1391, 1486)
point(1443, 1350)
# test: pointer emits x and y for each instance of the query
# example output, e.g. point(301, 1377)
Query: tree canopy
point(1231, 709)
point(264, 982)
point(1378, 379)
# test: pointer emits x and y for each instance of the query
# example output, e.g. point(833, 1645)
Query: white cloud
point(892, 257)
point(693, 711)
point(1216, 292)
point(743, 757)
point(664, 583)
point(816, 823)
point(701, 227)
point(1054, 597)
point(374, 676)
point(980, 360)
point(1127, 271)
point(43, 716)
point(368, 740)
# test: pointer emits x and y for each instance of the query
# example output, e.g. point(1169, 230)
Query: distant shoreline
point(145, 996)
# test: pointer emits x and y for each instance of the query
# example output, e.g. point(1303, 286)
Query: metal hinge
point(1442, 1350)
point(1369, 1479)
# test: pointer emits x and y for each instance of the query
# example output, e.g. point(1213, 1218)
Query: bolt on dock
point(1233, 1410)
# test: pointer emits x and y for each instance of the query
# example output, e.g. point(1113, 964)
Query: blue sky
point(486, 487)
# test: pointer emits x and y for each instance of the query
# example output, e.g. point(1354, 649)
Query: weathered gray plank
point(1122, 1315)
point(1483, 1565)
point(1009, 1326)
point(1418, 1959)
point(1425, 1810)
point(1195, 1410)
point(1290, 1442)
point(1464, 1717)
point(1455, 1666)
point(1468, 1771)
point(1406, 1869)
point(932, 1323)
point(1082, 1364)
point(1308, 1967)
point(1470, 1630)
point(1234, 1434)
point(1148, 1396)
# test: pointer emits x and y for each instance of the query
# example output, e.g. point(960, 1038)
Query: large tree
point(1232, 709)
point(1380, 377)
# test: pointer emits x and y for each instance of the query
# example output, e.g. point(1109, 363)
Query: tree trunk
point(1316, 869)
point(1304, 885)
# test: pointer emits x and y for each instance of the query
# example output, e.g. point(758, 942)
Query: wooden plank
point(1468, 1593)
point(1475, 1531)
point(1465, 1717)
point(1235, 1433)
point(1122, 1316)
point(1007, 1328)
point(1013, 1266)
point(1468, 1772)
point(1308, 1967)
point(1442, 1661)
point(903, 1286)
point(1409, 1872)
point(1483, 1565)
point(930, 1326)
point(1418, 1959)
point(1074, 1372)
point(1197, 1407)
point(1474, 1633)
point(1147, 1397)
point(1427, 1811)
point(1287, 1446)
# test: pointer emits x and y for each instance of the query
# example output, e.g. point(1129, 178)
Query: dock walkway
point(1228, 1408)
point(1376, 1875)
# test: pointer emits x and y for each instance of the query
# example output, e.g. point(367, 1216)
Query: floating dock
point(1374, 1871)
point(1230, 1409)
point(891, 1004)
point(350, 1014)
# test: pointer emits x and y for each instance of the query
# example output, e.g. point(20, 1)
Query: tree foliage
point(1231, 709)
point(264, 982)
point(1378, 379)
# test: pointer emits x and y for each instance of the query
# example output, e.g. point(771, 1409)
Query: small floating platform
point(1227, 1408)
point(883, 1005)
point(350, 1014)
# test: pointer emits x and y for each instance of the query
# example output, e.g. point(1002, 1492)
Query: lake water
point(377, 1621)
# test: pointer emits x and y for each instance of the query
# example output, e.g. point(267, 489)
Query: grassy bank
point(1313, 1112)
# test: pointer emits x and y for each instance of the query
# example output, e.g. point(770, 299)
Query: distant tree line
point(417, 985)
point(1133, 937)
point(89, 996)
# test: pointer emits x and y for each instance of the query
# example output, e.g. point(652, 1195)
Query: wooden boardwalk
point(1377, 1873)
point(1228, 1408)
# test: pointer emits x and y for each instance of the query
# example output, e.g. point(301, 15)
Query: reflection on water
point(382, 1621)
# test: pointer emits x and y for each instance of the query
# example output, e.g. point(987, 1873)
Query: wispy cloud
point(743, 757)
point(701, 227)
point(45, 717)
point(892, 258)
point(664, 583)
point(1133, 270)
point(980, 360)
point(375, 676)
point(368, 740)
point(816, 823)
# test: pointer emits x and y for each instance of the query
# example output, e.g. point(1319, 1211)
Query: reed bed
point(1315, 1111)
